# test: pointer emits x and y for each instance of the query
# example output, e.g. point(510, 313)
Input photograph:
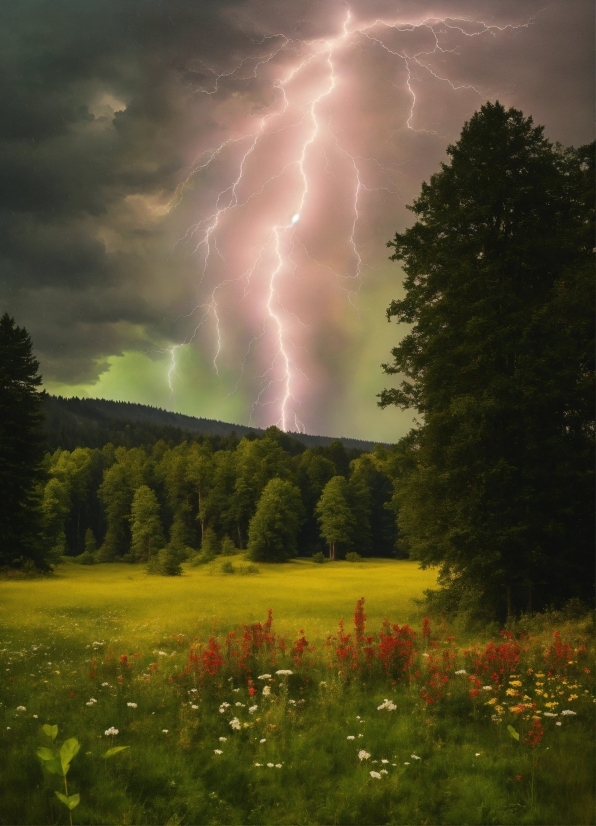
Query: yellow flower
point(511, 692)
point(539, 693)
point(499, 709)
point(539, 675)
point(551, 705)
point(515, 682)
point(545, 694)
point(572, 697)
point(492, 701)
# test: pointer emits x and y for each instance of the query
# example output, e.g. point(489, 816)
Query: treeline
point(130, 504)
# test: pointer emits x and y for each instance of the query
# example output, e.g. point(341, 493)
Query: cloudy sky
point(195, 197)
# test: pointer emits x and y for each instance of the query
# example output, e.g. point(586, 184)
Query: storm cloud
point(112, 113)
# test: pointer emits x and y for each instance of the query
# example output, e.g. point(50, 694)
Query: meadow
point(224, 699)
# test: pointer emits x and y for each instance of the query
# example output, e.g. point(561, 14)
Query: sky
point(195, 197)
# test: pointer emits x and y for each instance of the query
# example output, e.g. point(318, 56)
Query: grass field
point(225, 718)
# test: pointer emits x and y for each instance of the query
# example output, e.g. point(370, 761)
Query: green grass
point(61, 640)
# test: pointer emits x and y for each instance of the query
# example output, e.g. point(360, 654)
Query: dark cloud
point(105, 106)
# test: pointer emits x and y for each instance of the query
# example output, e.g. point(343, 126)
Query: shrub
point(352, 556)
point(227, 567)
point(227, 546)
point(319, 557)
point(86, 558)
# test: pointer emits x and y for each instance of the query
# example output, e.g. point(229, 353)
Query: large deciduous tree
point(336, 518)
point(499, 360)
point(273, 530)
point(21, 449)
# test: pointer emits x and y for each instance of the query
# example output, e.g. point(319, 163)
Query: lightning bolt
point(300, 117)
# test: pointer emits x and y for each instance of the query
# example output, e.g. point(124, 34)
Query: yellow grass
point(137, 606)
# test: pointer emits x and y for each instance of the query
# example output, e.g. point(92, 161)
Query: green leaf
point(45, 754)
point(70, 748)
point(513, 732)
point(71, 801)
point(54, 766)
point(51, 731)
point(115, 750)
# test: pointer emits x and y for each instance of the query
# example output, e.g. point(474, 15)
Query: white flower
point(384, 761)
point(252, 709)
point(388, 705)
point(132, 705)
point(284, 671)
point(164, 730)
point(263, 740)
point(111, 732)
point(487, 688)
point(383, 771)
point(406, 764)
point(218, 751)
point(235, 690)
point(105, 684)
point(278, 765)
point(322, 682)
point(240, 705)
point(550, 714)
point(567, 712)
point(558, 723)
point(478, 753)
point(35, 716)
point(361, 735)
point(161, 654)
point(363, 755)
point(350, 737)
point(21, 708)
point(266, 691)
point(292, 702)
point(265, 676)
point(461, 671)
point(269, 765)
point(235, 723)
point(193, 691)
point(222, 739)
point(258, 764)
point(376, 775)
point(415, 757)
point(223, 707)
point(425, 654)
point(193, 706)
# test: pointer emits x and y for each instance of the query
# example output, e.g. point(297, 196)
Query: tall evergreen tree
point(21, 449)
point(337, 520)
point(273, 530)
point(499, 294)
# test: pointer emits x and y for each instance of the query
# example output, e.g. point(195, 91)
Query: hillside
point(94, 422)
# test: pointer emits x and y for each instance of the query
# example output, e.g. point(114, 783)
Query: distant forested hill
point(71, 423)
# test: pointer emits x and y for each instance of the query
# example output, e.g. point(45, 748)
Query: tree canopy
point(499, 360)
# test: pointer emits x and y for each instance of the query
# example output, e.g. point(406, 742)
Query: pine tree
point(498, 360)
point(21, 449)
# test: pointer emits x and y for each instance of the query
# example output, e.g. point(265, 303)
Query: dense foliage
point(21, 449)
point(200, 494)
point(500, 361)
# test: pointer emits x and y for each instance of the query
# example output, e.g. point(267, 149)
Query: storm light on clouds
point(196, 201)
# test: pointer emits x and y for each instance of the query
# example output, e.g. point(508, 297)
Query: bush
point(227, 568)
point(319, 557)
point(227, 546)
point(247, 570)
point(209, 544)
point(86, 558)
point(352, 556)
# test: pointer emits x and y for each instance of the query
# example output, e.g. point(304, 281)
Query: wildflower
point(222, 739)
point(511, 692)
point(363, 755)
point(492, 701)
point(105, 684)
point(269, 765)
point(235, 723)
point(21, 708)
point(164, 730)
point(258, 764)
point(111, 732)
point(263, 740)
point(384, 761)
point(235, 690)
point(361, 735)
point(383, 771)
point(426, 655)
point(278, 765)
point(35, 716)
point(558, 723)
point(376, 775)
point(193, 707)
point(266, 691)
point(161, 654)
point(132, 705)
point(252, 709)
point(415, 757)
point(217, 751)
point(515, 683)
point(239, 705)
point(461, 671)
point(567, 712)
point(223, 707)
point(284, 672)
point(550, 714)
point(487, 688)
point(388, 705)
point(350, 737)
point(322, 682)
point(265, 676)
point(406, 764)
point(572, 697)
